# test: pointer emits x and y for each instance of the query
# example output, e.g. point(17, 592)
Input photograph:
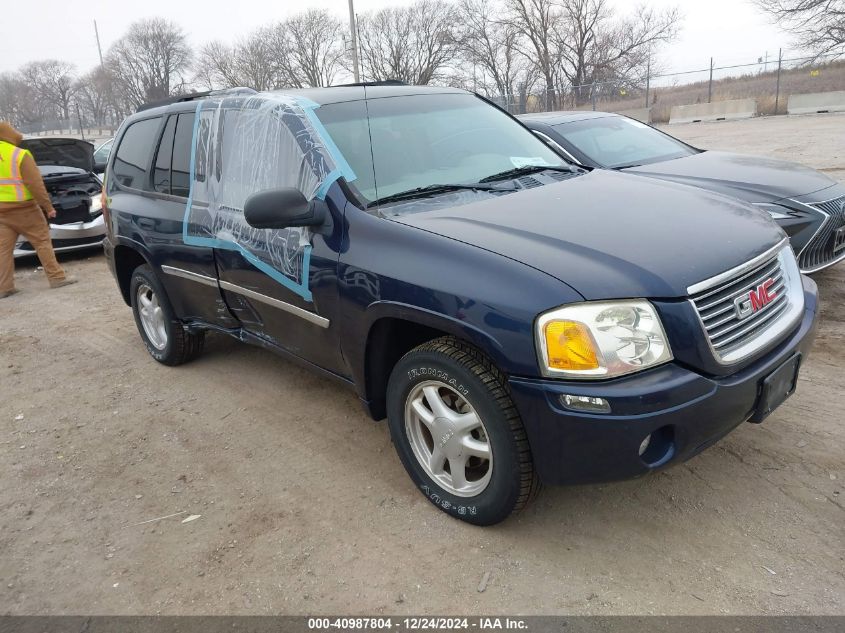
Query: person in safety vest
point(24, 202)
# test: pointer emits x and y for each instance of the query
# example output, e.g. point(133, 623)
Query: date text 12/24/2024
point(417, 623)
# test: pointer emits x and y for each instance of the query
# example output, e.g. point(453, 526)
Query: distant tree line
point(505, 49)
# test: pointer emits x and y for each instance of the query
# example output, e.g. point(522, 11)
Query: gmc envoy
point(517, 318)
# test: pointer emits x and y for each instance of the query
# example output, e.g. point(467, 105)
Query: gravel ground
point(304, 506)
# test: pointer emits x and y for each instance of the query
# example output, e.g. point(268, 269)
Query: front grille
point(726, 328)
point(828, 244)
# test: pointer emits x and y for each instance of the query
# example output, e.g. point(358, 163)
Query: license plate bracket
point(777, 387)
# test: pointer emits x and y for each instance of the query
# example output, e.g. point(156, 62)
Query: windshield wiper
point(528, 169)
point(627, 166)
point(431, 190)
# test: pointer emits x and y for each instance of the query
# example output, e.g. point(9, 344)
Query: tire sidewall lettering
point(427, 373)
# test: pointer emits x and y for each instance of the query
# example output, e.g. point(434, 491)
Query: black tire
point(181, 345)
point(466, 370)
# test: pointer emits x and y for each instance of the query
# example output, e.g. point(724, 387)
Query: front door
point(285, 290)
point(281, 283)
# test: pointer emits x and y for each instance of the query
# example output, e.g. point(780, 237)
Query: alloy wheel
point(152, 317)
point(448, 438)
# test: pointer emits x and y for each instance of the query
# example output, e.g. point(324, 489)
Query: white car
point(67, 166)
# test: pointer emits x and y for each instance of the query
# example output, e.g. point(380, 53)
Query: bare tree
point(413, 44)
point(95, 94)
point(581, 41)
point(214, 66)
point(304, 50)
point(539, 21)
point(817, 25)
point(150, 60)
point(597, 46)
point(12, 98)
point(316, 47)
point(251, 62)
point(53, 82)
point(24, 103)
point(490, 43)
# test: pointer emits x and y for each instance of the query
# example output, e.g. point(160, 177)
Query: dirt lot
point(305, 507)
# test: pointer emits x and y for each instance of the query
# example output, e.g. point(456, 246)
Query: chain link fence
point(769, 81)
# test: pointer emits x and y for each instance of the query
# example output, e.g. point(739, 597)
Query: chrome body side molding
point(311, 317)
point(191, 276)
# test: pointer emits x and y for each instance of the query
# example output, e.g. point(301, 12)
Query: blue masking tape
point(342, 169)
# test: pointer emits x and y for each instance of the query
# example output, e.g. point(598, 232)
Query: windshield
point(102, 152)
point(615, 142)
point(432, 139)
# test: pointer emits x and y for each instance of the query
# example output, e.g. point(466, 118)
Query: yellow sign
point(814, 73)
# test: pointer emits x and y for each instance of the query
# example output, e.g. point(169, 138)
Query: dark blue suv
point(516, 318)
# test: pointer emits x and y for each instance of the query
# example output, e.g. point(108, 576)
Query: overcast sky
point(732, 31)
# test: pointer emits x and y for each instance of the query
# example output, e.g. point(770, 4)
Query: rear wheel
point(164, 336)
point(458, 433)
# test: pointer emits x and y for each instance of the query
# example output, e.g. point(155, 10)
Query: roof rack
point(384, 82)
point(193, 96)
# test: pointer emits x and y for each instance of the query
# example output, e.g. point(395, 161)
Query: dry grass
point(760, 86)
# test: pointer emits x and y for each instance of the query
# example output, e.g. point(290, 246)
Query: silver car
point(67, 166)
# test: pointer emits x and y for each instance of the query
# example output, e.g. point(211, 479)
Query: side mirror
point(281, 208)
point(99, 168)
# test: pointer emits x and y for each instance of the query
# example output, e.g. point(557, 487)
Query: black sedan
point(809, 205)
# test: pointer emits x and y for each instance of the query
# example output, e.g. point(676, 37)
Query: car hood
point(751, 178)
point(64, 152)
point(611, 235)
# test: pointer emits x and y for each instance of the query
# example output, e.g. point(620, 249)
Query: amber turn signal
point(570, 346)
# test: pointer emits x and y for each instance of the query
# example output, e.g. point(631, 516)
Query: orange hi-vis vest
point(12, 188)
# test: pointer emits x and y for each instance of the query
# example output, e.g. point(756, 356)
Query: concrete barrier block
point(640, 114)
point(716, 111)
point(814, 102)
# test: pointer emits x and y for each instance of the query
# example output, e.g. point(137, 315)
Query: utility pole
point(79, 120)
point(97, 35)
point(777, 85)
point(710, 84)
point(355, 69)
point(358, 50)
point(647, 80)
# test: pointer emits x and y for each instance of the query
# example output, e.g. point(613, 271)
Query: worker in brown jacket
point(24, 203)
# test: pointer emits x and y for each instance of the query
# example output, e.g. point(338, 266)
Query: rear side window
point(181, 171)
point(161, 173)
point(131, 163)
point(173, 159)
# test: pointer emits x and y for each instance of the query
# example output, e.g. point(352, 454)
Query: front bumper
point(69, 237)
point(683, 411)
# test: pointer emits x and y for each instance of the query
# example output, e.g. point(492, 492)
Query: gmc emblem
point(756, 299)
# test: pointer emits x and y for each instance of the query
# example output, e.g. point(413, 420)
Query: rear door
point(149, 194)
point(190, 273)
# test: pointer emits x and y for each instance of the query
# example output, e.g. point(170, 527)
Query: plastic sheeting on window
point(245, 144)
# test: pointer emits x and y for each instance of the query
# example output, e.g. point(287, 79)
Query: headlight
point(601, 339)
point(96, 203)
point(777, 211)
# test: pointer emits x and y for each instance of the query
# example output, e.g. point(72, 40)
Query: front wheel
point(165, 338)
point(458, 432)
